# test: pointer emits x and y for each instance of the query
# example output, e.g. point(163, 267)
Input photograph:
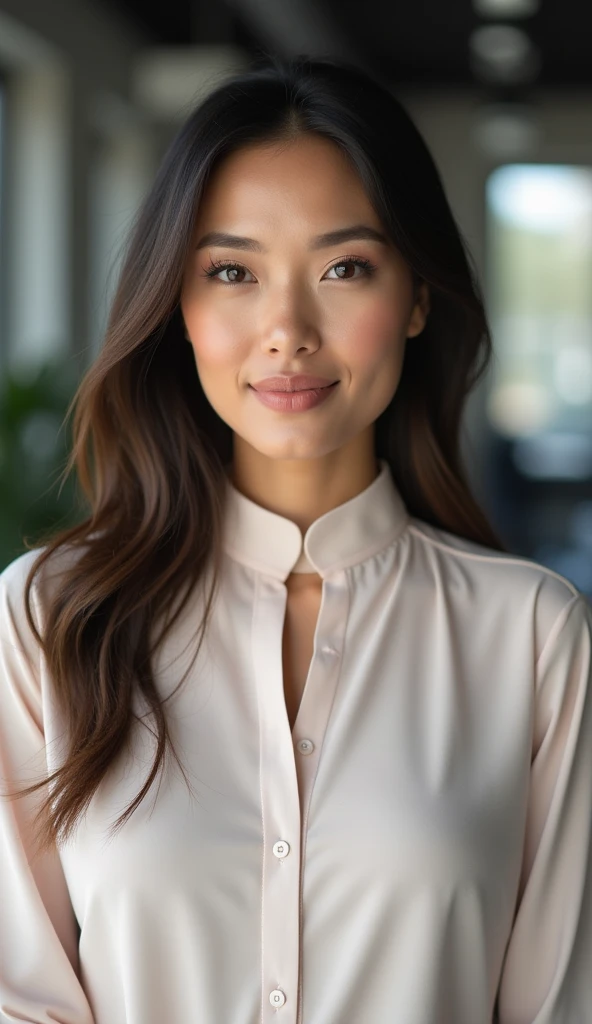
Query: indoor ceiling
point(428, 43)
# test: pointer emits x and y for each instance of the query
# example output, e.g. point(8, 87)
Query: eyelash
point(217, 265)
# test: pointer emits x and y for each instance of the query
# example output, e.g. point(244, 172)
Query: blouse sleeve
point(38, 929)
point(547, 972)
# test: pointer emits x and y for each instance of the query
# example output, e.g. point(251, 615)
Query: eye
point(366, 266)
point(217, 266)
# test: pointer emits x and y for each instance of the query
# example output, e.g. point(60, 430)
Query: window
point(539, 279)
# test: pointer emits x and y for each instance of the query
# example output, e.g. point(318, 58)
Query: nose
point(289, 319)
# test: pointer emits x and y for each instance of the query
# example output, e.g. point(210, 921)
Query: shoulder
point(45, 582)
point(13, 580)
point(499, 584)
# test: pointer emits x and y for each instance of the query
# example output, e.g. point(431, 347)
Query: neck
point(302, 490)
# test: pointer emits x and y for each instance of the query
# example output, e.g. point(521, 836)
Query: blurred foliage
point(34, 447)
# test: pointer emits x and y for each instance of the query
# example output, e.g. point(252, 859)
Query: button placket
point(315, 708)
point(280, 909)
point(287, 781)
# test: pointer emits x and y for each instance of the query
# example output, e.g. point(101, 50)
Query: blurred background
point(91, 92)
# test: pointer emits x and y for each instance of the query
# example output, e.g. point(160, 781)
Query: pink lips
point(295, 401)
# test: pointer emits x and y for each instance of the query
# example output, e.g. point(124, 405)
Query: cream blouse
point(416, 850)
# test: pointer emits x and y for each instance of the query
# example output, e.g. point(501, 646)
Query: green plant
point(34, 444)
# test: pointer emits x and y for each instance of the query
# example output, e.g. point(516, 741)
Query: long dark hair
point(150, 452)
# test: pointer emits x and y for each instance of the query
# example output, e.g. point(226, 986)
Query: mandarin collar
point(343, 536)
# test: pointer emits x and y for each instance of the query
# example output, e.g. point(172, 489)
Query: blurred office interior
point(91, 92)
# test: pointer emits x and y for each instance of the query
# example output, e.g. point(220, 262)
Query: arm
point(38, 929)
point(547, 972)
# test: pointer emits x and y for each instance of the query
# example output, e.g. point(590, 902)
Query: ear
point(420, 311)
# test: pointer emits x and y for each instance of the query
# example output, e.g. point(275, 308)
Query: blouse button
point(305, 746)
point(277, 997)
point(327, 649)
point(281, 848)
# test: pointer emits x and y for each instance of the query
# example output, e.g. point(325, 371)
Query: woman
point(386, 738)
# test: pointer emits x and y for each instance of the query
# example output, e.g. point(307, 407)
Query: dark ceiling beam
point(291, 27)
point(211, 23)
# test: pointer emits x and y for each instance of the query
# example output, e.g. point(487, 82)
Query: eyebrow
point(349, 234)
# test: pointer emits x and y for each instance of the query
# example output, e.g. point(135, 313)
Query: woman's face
point(340, 310)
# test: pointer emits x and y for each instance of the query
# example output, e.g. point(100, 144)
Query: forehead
point(309, 179)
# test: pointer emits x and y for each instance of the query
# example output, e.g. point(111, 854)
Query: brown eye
point(217, 267)
point(338, 267)
point(233, 274)
point(366, 267)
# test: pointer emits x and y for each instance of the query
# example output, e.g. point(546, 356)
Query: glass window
point(540, 298)
point(539, 404)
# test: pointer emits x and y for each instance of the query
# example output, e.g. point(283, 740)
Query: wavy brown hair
point(150, 452)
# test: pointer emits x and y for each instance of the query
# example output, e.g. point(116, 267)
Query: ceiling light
point(503, 54)
point(507, 131)
point(506, 8)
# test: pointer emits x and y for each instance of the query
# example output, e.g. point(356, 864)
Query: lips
point(297, 382)
point(295, 401)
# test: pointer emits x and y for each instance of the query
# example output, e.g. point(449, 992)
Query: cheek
point(372, 334)
point(216, 339)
